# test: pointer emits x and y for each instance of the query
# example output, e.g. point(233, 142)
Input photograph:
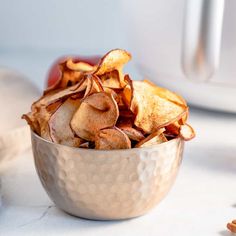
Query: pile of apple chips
point(100, 107)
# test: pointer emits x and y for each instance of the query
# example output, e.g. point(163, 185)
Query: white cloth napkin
point(16, 97)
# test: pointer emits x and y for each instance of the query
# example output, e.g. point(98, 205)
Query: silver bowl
point(106, 185)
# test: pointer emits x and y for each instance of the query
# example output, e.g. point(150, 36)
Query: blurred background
point(35, 33)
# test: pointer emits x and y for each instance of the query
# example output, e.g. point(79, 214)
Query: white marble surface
point(201, 202)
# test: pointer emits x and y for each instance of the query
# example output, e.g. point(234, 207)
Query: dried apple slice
point(97, 111)
point(117, 94)
point(32, 122)
point(112, 138)
point(153, 139)
point(111, 80)
point(152, 111)
point(93, 86)
point(126, 125)
point(169, 95)
point(79, 66)
point(113, 60)
point(112, 92)
point(59, 124)
point(173, 128)
point(68, 78)
point(132, 133)
point(125, 122)
point(84, 145)
point(71, 74)
point(127, 114)
point(128, 91)
point(43, 115)
point(38, 119)
point(44, 129)
point(61, 94)
point(186, 132)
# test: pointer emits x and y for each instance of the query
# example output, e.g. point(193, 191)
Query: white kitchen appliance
point(188, 46)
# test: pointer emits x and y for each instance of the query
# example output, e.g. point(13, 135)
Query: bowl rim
point(107, 151)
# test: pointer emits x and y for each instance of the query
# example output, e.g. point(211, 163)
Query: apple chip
point(84, 145)
point(128, 91)
point(111, 80)
point(98, 107)
point(67, 78)
point(167, 94)
point(110, 68)
point(93, 86)
point(59, 124)
point(173, 128)
point(79, 66)
point(43, 115)
point(126, 113)
point(156, 137)
point(113, 60)
point(152, 111)
point(126, 125)
point(112, 138)
point(125, 122)
point(97, 111)
point(32, 122)
point(171, 96)
point(59, 95)
point(187, 132)
point(132, 133)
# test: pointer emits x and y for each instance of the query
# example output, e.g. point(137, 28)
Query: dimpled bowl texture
point(106, 185)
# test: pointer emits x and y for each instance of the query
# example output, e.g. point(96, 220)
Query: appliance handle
point(202, 38)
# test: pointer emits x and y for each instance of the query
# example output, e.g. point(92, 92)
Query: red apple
point(54, 72)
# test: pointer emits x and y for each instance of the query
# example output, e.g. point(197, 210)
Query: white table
point(201, 202)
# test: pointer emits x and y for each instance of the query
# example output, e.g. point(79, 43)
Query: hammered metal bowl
point(106, 185)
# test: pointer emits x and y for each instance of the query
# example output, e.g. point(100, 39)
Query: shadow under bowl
point(106, 184)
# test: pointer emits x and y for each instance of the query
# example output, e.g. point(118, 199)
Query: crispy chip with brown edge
point(84, 145)
point(97, 111)
point(58, 95)
point(42, 109)
point(118, 97)
point(156, 137)
point(232, 226)
point(169, 95)
point(132, 133)
point(111, 80)
point(67, 78)
point(111, 138)
point(125, 122)
point(127, 92)
point(186, 132)
point(152, 111)
point(32, 122)
point(173, 128)
point(79, 66)
point(98, 105)
point(126, 125)
point(93, 85)
point(114, 60)
point(59, 124)
point(43, 115)
point(38, 119)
